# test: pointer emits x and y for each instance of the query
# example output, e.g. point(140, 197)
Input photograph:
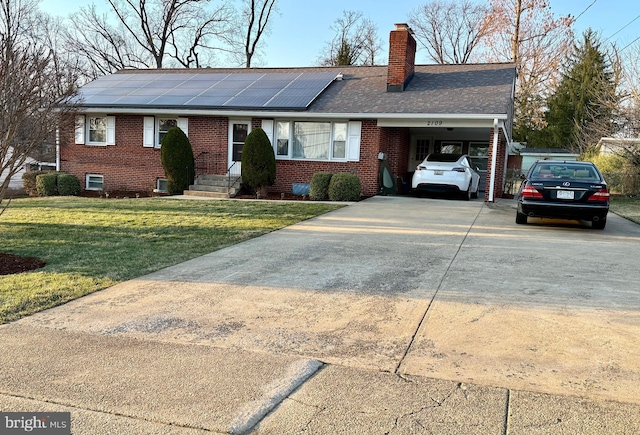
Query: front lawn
point(90, 244)
point(626, 207)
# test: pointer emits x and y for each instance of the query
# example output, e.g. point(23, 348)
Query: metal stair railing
point(234, 174)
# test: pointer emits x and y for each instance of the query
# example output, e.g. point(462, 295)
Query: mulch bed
point(10, 264)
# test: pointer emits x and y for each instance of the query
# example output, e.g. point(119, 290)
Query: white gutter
point(494, 159)
point(289, 114)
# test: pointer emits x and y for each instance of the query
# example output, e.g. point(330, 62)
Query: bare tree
point(33, 86)
point(451, 31)
point(355, 42)
point(527, 33)
point(255, 22)
point(149, 34)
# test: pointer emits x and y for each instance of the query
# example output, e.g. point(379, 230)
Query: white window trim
point(151, 127)
point(352, 151)
point(158, 189)
point(88, 176)
point(82, 130)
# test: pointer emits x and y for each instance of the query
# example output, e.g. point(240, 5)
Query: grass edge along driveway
point(91, 244)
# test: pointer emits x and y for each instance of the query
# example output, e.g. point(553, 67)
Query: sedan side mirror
point(523, 176)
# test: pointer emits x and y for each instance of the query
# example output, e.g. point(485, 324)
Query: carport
point(417, 136)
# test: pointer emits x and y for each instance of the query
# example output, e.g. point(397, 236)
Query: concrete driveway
point(411, 288)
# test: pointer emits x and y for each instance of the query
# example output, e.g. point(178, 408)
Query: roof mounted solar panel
point(234, 90)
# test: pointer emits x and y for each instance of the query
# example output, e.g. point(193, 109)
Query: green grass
point(90, 244)
point(626, 207)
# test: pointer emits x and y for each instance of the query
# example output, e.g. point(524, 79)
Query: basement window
point(94, 182)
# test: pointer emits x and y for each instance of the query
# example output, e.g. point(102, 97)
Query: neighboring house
point(530, 155)
point(16, 185)
point(614, 145)
point(335, 119)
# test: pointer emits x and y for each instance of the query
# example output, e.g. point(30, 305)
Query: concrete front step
point(213, 186)
point(205, 194)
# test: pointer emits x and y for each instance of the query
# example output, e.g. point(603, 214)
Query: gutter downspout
point(58, 149)
point(494, 158)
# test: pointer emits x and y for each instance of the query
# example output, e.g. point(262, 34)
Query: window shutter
point(111, 130)
point(80, 129)
point(183, 124)
point(149, 132)
point(353, 153)
point(267, 126)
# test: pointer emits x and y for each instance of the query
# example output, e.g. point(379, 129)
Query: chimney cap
point(403, 26)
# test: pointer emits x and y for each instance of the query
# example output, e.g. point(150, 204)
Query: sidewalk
point(387, 316)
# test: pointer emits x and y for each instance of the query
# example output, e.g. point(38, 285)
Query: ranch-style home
point(333, 119)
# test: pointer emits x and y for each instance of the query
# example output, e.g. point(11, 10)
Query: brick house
point(334, 119)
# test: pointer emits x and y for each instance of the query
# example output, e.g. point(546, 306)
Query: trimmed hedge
point(47, 184)
point(50, 183)
point(68, 185)
point(319, 188)
point(29, 181)
point(344, 187)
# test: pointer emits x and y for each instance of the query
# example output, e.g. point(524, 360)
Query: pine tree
point(582, 109)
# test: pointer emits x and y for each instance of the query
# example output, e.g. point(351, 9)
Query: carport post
point(494, 159)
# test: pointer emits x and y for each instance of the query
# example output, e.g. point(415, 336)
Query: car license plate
point(565, 194)
point(437, 172)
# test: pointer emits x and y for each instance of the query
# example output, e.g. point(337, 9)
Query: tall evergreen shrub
point(176, 155)
point(258, 161)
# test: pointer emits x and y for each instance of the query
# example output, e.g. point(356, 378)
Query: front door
point(238, 131)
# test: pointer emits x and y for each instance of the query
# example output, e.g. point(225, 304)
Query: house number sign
point(433, 123)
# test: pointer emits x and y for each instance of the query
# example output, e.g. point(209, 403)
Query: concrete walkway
point(392, 315)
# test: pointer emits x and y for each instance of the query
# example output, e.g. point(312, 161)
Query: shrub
point(47, 184)
point(344, 187)
point(68, 185)
point(176, 155)
point(29, 181)
point(319, 189)
point(258, 161)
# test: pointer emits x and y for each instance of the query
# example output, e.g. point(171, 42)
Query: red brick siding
point(298, 171)
point(130, 166)
point(498, 190)
point(395, 142)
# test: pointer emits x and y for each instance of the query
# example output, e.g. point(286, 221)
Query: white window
point(340, 140)
point(94, 182)
point(306, 140)
point(155, 129)
point(96, 130)
point(164, 125)
point(161, 185)
point(282, 143)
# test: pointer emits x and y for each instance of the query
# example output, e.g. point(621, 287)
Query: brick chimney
point(402, 58)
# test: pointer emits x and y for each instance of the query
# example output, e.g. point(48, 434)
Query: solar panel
point(293, 90)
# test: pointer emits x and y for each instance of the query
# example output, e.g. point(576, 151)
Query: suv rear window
point(565, 171)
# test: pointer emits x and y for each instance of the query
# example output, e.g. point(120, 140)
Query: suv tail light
point(420, 168)
point(531, 192)
point(601, 195)
point(459, 170)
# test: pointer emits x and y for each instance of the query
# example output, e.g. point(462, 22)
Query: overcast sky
point(302, 27)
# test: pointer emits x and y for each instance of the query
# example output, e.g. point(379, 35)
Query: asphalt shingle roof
point(434, 89)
